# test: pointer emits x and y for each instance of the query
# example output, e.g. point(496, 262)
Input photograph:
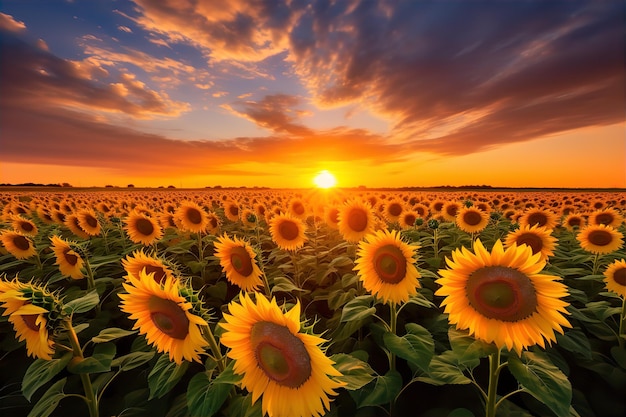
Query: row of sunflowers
point(312, 302)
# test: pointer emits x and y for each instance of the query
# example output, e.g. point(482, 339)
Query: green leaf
point(111, 333)
point(382, 390)
point(49, 401)
point(445, 369)
point(467, 349)
point(543, 380)
point(416, 347)
point(420, 300)
point(241, 406)
point(40, 372)
point(99, 361)
point(355, 372)
point(574, 340)
point(284, 284)
point(358, 309)
point(205, 397)
point(619, 355)
point(132, 360)
point(164, 376)
point(82, 304)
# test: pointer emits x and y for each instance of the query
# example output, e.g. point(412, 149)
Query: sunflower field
point(287, 303)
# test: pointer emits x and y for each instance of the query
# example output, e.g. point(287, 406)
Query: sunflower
point(408, 219)
point(296, 208)
point(574, 221)
point(600, 239)
point(249, 218)
point(287, 231)
point(17, 244)
point(213, 226)
point(72, 223)
point(142, 228)
point(538, 216)
point(29, 307)
point(23, 225)
point(278, 362)
point(607, 216)
point(356, 220)
point(450, 209)
point(231, 210)
point(164, 316)
point(538, 238)
point(501, 297)
point(386, 266)
point(331, 217)
point(615, 277)
point(237, 259)
point(138, 261)
point(393, 210)
point(69, 261)
point(88, 222)
point(191, 217)
point(471, 219)
point(436, 206)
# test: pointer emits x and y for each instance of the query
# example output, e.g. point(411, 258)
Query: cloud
point(9, 24)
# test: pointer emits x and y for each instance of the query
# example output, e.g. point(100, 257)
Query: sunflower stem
point(494, 373)
point(622, 319)
point(393, 323)
point(91, 282)
point(217, 353)
point(90, 397)
point(595, 264)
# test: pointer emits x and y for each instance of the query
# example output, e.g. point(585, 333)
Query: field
point(247, 302)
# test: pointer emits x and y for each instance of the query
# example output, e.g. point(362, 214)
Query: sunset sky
point(268, 93)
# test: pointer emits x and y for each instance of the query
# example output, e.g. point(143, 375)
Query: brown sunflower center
point(21, 242)
point(600, 237)
point(619, 276)
point(30, 320)
point(288, 230)
point(158, 271)
point(280, 354)
point(472, 218)
point(501, 293)
point(357, 220)
point(438, 206)
point(538, 218)
point(395, 209)
point(298, 208)
point(70, 257)
point(409, 219)
point(168, 317)
point(604, 218)
point(91, 221)
point(240, 260)
point(144, 226)
point(333, 215)
point(574, 221)
point(532, 240)
point(234, 210)
point(452, 210)
point(26, 226)
point(213, 222)
point(194, 216)
point(390, 264)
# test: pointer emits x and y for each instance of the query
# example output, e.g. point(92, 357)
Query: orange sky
point(156, 95)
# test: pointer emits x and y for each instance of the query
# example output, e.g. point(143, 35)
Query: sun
point(325, 179)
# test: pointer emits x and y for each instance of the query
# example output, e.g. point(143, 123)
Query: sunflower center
point(574, 221)
point(213, 222)
point(168, 317)
point(532, 240)
point(298, 208)
point(472, 218)
point(234, 210)
point(409, 219)
point(144, 226)
point(537, 218)
point(159, 273)
point(357, 220)
point(620, 276)
point(280, 354)
point(240, 260)
point(91, 221)
point(333, 215)
point(600, 237)
point(194, 216)
point(501, 293)
point(71, 257)
point(30, 320)
point(452, 210)
point(21, 242)
point(26, 226)
point(390, 264)
point(395, 209)
point(289, 230)
point(604, 218)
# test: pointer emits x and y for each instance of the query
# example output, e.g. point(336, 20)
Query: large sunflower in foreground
point(471, 219)
point(600, 239)
point(28, 307)
point(502, 297)
point(287, 231)
point(356, 220)
point(24, 226)
point(280, 363)
point(386, 266)
point(615, 277)
point(17, 244)
point(538, 238)
point(70, 262)
point(142, 228)
point(237, 259)
point(165, 316)
point(138, 261)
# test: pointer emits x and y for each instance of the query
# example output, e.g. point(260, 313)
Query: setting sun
point(325, 179)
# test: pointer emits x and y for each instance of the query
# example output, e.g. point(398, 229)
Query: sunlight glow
point(325, 179)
